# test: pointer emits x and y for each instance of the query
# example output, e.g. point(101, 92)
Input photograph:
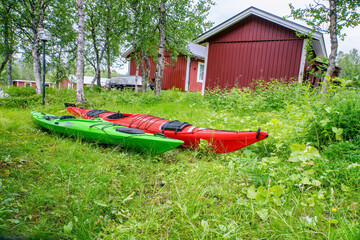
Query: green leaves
point(303, 153)
point(68, 227)
point(338, 133)
point(262, 195)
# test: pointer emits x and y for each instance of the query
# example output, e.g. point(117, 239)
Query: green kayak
point(99, 130)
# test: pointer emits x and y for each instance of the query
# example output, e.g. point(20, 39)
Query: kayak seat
point(67, 117)
point(116, 116)
point(50, 117)
point(130, 130)
point(95, 112)
point(174, 126)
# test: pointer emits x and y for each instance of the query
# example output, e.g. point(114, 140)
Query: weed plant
point(300, 183)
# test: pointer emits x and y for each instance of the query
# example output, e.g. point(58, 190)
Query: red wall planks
point(252, 49)
point(174, 73)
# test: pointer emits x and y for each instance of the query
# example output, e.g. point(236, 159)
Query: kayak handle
point(258, 133)
point(159, 134)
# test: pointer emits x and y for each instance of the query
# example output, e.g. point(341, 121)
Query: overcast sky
point(225, 9)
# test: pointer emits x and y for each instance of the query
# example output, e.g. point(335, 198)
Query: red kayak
point(222, 141)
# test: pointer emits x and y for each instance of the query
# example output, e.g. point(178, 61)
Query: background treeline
point(111, 27)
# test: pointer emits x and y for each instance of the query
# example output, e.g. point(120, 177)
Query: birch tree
point(80, 63)
point(159, 69)
point(7, 35)
point(97, 31)
point(141, 28)
point(178, 22)
point(335, 15)
point(104, 24)
point(32, 16)
point(62, 47)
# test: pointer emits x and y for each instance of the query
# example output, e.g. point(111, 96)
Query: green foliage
point(282, 187)
point(316, 14)
point(20, 92)
point(350, 66)
point(338, 120)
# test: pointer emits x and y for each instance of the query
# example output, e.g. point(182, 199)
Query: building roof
point(317, 42)
point(195, 49)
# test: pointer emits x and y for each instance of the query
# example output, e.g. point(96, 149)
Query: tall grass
point(300, 183)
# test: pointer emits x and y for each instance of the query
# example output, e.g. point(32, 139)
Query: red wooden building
point(252, 45)
point(181, 74)
point(64, 83)
point(23, 83)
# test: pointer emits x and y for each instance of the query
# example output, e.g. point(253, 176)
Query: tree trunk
point(161, 58)
point(143, 84)
point(97, 77)
point(333, 45)
point(7, 41)
point(80, 97)
point(108, 63)
point(98, 63)
point(35, 49)
point(9, 72)
point(36, 64)
point(145, 72)
point(3, 63)
point(136, 78)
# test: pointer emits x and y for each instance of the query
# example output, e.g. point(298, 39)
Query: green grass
point(290, 186)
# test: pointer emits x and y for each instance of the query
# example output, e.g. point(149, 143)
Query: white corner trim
point(128, 63)
point(187, 74)
point(302, 61)
point(205, 69)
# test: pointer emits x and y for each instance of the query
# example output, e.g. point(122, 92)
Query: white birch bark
point(9, 72)
point(80, 63)
point(333, 45)
point(35, 49)
point(136, 78)
point(159, 70)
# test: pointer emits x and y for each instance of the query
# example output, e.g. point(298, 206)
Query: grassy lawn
point(300, 183)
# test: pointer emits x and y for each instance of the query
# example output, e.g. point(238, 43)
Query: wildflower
point(320, 196)
point(310, 221)
point(333, 210)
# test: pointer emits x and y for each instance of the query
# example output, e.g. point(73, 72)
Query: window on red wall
point(200, 73)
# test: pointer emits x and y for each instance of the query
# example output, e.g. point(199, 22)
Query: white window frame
point(198, 72)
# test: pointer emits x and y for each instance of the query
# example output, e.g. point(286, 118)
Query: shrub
point(20, 102)
point(20, 91)
point(346, 150)
point(338, 119)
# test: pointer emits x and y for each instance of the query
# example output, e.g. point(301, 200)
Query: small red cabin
point(186, 73)
point(23, 83)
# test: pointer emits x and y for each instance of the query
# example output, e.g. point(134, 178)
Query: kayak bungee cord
point(108, 125)
point(146, 119)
